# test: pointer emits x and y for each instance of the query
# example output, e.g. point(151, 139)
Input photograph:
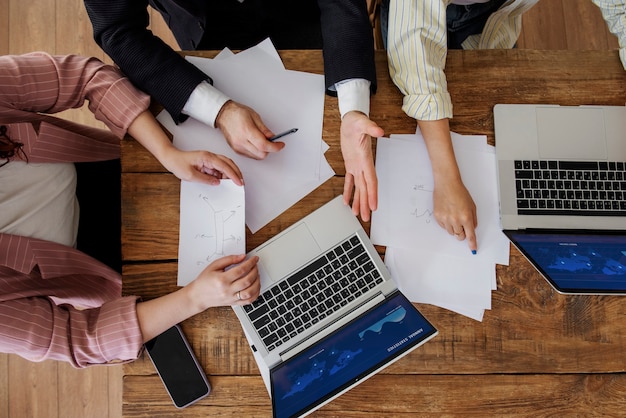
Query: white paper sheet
point(429, 265)
point(271, 189)
point(285, 99)
point(212, 225)
point(458, 284)
point(404, 217)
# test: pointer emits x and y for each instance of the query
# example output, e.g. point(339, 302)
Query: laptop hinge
point(342, 320)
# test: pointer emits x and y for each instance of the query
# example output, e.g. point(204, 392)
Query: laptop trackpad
point(288, 252)
point(571, 133)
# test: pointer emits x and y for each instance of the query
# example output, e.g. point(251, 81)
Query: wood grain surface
point(536, 352)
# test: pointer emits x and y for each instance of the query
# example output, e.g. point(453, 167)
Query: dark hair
point(8, 147)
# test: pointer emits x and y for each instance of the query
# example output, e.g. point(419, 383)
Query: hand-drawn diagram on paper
point(212, 225)
point(421, 202)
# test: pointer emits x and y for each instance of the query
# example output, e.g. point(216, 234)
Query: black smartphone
point(178, 367)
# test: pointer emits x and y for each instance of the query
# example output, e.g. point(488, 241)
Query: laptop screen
point(348, 355)
point(576, 262)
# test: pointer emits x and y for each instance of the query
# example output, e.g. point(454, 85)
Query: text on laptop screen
point(572, 262)
point(348, 355)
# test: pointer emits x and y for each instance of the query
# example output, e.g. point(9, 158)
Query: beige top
point(39, 200)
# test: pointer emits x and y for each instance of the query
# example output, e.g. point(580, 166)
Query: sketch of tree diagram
point(225, 233)
point(212, 225)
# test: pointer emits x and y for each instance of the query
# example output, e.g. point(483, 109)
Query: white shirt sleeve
point(353, 94)
point(205, 103)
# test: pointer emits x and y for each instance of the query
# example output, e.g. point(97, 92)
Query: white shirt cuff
point(353, 94)
point(205, 103)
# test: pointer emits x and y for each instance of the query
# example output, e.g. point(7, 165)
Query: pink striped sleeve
point(37, 329)
point(40, 82)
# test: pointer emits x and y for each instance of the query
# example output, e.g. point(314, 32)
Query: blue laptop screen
point(347, 356)
point(577, 263)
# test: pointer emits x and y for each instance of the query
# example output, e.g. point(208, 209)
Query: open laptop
point(562, 192)
point(329, 315)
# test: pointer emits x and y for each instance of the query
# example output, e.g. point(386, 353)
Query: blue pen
point(280, 135)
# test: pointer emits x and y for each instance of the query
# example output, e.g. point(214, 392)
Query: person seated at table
point(417, 40)
point(417, 34)
point(340, 27)
point(56, 302)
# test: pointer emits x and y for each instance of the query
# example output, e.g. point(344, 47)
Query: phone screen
point(178, 367)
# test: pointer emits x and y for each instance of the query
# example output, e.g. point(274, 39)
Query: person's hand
point(201, 166)
point(360, 183)
point(227, 281)
point(245, 132)
point(455, 211)
point(219, 285)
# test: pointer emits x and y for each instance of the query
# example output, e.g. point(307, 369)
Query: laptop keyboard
point(317, 291)
point(570, 188)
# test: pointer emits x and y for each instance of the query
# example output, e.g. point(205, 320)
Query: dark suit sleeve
point(120, 28)
point(348, 42)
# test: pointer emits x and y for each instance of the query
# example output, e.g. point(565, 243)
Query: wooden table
point(535, 353)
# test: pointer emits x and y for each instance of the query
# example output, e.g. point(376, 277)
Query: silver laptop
point(329, 315)
point(562, 192)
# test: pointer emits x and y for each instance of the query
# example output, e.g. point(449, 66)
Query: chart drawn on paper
point(224, 233)
point(421, 202)
point(212, 225)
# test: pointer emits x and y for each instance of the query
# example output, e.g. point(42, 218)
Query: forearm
point(439, 144)
point(454, 208)
point(215, 286)
point(157, 315)
point(147, 131)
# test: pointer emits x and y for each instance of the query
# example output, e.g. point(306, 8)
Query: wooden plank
point(543, 26)
point(582, 18)
point(387, 98)
point(160, 29)
point(75, 37)
point(501, 75)
point(114, 390)
point(450, 395)
point(4, 385)
point(87, 388)
point(151, 202)
point(39, 26)
point(248, 393)
point(33, 391)
point(530, 329)
point(506, 77)
point(4, 27)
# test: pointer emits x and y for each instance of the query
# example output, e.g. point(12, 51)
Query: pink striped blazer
point(55, 301)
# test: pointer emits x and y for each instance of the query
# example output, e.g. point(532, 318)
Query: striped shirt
point(55, 301)
point(417, 47)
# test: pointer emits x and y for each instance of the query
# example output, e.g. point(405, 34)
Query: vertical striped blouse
point(417, 47)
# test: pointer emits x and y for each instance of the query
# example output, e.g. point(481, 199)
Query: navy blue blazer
point(341, 27)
